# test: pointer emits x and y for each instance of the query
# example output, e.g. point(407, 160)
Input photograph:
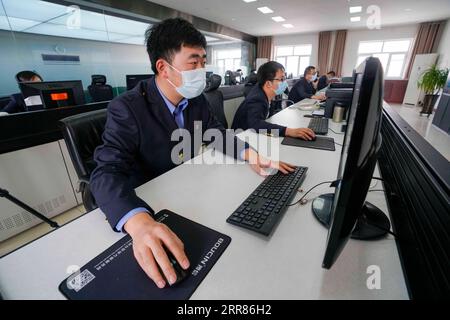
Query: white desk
point(286, 265)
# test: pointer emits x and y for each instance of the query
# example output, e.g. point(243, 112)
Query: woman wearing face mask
point(304, 88)
point(254, 110)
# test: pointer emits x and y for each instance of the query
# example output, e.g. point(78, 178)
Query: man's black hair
point(308, 70)
point(268, 71)
point(26, 76)
point(166, 38)
point(332, 73)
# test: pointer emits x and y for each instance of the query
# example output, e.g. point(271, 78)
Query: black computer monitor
point(133, 79)
point(345, 212)
point(53, 94)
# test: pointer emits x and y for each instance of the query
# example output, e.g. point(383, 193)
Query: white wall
point(444, 47)
point(295, 39)
point(355, 36)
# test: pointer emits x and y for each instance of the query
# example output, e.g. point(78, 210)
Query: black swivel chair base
point(371, 224)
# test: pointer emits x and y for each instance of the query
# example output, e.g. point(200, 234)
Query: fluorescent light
point(288, 25)
point(355, 9)
point(278, 19)
point(210, 39)
point(249, 1)
point(355, 19)
point(265, 10)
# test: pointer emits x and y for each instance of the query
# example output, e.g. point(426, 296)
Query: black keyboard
point(319, 125)
point(262, 210)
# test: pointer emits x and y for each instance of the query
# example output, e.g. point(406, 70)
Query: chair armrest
point(81, 180)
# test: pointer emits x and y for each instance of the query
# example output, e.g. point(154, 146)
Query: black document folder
point(322, 143)
point(115, 274)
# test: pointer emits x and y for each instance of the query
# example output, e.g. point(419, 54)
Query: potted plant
point(431, 82)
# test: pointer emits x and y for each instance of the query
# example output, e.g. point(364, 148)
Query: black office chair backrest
point(4, 102)
point(99, 90)
point(215, 98)
point(252, 80)
point(82, 134)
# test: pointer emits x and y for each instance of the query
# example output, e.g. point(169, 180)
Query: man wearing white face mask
point(254, 110)
point(137, 143)
point(304, 88)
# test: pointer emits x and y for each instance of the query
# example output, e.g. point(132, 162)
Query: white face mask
point(193, 82)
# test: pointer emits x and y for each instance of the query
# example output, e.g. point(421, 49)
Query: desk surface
point(286, 265)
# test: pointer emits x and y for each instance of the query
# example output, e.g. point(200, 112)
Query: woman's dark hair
point(166, 38)
point(308, 70)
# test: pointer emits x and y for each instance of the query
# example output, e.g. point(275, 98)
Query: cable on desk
point(385, 183)
point(383, 229)
point(373, 186)
point(335, 131)
point(303, 201)
point(338, 144)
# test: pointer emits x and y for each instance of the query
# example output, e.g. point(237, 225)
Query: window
point(295, 59)
point(228, 59)
point(392, 55)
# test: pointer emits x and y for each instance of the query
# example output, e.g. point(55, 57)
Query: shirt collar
point(182, 104)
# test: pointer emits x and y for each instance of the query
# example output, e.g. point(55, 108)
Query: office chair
point(230, 78)
point(99, 90)
point(215, 98)
point(250, 82)
point(4, 102)
point(82, 134)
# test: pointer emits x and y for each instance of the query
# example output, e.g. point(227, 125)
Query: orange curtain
point(324, 51)
point(338, 52)
point(264, 47)
point(427, 40)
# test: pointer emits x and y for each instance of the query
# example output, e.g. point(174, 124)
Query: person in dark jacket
point(17, 103)
point(325, 80)
point(138, 146)
point(254, 110)
point(304, 88)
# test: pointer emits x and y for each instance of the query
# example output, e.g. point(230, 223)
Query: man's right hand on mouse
point(149, 237)
point(302, 133)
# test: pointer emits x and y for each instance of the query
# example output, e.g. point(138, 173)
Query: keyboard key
point(248, 223)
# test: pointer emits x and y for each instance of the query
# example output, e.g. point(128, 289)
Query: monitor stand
point(366, 225)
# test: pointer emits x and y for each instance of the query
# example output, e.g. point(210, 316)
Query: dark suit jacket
point(302, 89)
point(253, 112)
point(323, 82)
point(16, 104)
point(137, 146)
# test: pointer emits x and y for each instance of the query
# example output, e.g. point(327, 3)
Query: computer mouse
point(179, 271)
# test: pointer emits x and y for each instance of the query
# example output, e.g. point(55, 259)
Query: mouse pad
point(322, 143)
point(115, 274)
